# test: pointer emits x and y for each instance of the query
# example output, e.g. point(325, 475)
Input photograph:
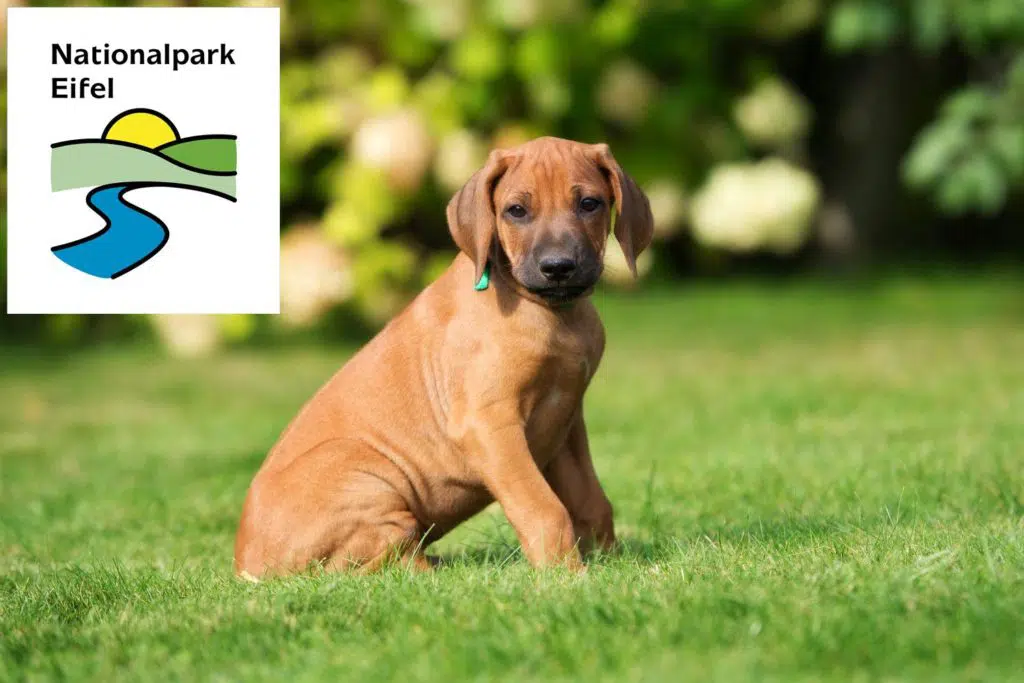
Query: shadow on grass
point(493, 554)
point(778, 533)
point(783, 533)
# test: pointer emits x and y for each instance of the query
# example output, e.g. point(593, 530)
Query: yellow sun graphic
point(143, 127)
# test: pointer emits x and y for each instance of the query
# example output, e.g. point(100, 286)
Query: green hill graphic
point(206, 162)
point(214, 153)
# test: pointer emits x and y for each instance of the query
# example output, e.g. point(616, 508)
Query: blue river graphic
point(131, 236)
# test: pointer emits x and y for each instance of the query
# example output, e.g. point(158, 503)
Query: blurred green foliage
point(973, 154)
point(387, 107)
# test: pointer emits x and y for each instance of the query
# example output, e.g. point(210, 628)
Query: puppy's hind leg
point(392, 538)
point(338, 506)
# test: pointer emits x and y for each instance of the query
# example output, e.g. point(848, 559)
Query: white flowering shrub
point(616, 271)
point(315, 276)
point(773, 115)
point(763, 206)
point(188, 336)
point(398, 144)
point(668, 206)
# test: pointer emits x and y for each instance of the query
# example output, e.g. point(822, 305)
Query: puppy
point(472, 394)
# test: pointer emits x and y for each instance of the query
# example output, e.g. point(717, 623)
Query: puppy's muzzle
point(561, 275)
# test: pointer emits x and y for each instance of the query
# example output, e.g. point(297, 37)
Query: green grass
point(811, 483)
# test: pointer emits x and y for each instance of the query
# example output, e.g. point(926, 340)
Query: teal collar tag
point(485, 279)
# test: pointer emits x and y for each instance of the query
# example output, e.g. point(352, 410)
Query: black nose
point(557, 268)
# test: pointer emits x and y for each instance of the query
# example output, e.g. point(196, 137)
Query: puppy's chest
point(552, 402)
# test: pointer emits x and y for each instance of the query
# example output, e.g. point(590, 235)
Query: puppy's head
point(546, 206)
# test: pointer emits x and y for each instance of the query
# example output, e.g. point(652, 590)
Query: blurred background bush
point(772, 136)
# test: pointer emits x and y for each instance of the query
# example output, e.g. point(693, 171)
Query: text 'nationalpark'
point(74, 87)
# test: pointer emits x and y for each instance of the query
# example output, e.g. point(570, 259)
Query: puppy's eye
point(516, 211)
point(589, 204)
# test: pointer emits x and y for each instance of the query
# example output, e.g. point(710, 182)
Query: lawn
point(811, 483)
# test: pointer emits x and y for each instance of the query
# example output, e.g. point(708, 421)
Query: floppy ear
point(634, 224)
point(471, 217)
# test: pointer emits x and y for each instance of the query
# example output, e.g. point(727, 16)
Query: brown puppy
point(469, 395)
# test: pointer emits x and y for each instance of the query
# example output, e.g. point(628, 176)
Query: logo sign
point(139, 148)
point(143, 160)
